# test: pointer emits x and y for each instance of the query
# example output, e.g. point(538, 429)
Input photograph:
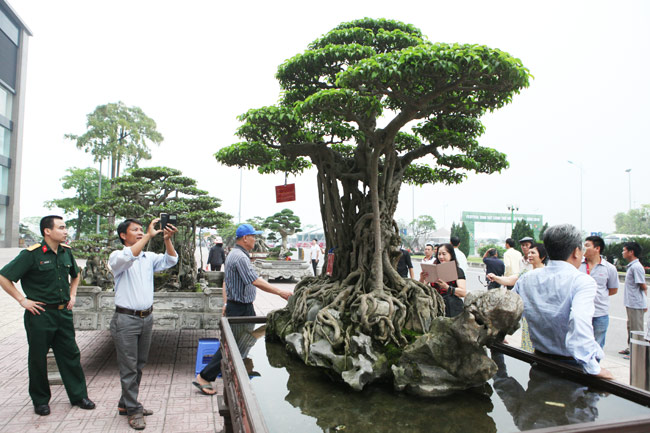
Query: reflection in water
point(246, 335)
point(378, 409)
point(548, 401)
point(296, 398)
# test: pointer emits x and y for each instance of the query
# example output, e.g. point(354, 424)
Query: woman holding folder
point(452, 291)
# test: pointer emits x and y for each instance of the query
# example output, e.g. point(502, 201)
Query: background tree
point(428, 99)
point(29, 230)
point(500, 250)
point(542, 231)
point(521, 230)
point(118, 134)
point(144, 193)
point(614, 254)
point(285, 223)
point(422, 227)
point(634, 222)
point(462, 232)
point(85, 183)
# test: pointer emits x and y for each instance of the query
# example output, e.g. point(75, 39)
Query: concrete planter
point(94, 309)
point(287, 269)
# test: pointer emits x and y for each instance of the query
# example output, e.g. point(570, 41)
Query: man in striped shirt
point(241, 283)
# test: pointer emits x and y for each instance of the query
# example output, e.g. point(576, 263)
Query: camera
point(167, 218)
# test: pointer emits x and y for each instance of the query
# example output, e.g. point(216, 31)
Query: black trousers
point(314, 264)
point(233, 309)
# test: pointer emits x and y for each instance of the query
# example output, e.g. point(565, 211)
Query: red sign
point(285, 193)
point(330, 264)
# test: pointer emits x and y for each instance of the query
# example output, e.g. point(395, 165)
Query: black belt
point(551, 356)
point(54, 306)
point(238, 303)
point(138, 313)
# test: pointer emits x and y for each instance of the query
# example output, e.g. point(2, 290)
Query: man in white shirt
point(559, 304)
point(315, 254)
point(461, 258)
point(511, 259)
point(132, 323)
point(526, 244)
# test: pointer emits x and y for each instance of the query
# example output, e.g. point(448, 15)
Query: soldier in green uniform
point(43, 270)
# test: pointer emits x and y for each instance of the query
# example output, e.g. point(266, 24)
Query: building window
point(9, 28)
point(3, 221)
point(5, 142)
point(6, 102)
point(4, 180)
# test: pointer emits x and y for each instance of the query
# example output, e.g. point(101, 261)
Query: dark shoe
point(624, 352)
point(145, 412)
point(84, 403)
point(42, 409)
point(136, 421)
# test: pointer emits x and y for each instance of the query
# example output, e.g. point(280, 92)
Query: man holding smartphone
point(132, 323)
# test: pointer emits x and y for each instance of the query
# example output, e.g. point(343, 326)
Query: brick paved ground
point(166, 382)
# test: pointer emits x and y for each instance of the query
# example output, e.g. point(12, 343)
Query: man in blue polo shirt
point(606, 278)
point(241, 284)
point(636, 291)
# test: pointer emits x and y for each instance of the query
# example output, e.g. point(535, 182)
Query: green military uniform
point(44, 277)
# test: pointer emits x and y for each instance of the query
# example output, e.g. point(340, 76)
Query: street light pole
point(241, 177)
point(629, 183)
point(512, 209)
point(579, 168)
point(99, 192)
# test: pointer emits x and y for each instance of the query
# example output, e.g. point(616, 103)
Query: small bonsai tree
point(285, 223)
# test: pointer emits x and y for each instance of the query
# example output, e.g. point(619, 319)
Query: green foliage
point(85, 184)
point(419, 231)
point(500, 250)
point(462, 232)
point(29, 229)
point(542, 231)
point(144, 193)
point(334, 92)
point(614, 253)
point(118, 134)
point(362, 104)
point(634, 222)
point(520, 231)
point(286, 224)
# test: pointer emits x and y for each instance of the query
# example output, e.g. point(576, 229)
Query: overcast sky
point(194, 66)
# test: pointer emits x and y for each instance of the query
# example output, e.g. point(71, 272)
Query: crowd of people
point(564, 283)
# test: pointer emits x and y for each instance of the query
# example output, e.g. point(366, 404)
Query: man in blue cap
point(240, 283)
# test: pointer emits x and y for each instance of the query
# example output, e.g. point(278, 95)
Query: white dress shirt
point(134, 276)
point(461, 260)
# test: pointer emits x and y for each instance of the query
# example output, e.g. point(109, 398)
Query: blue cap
point(247, 229)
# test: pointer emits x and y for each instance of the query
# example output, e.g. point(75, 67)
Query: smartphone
point(167, 218)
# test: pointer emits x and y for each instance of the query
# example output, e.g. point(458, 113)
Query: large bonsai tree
point(363, 104)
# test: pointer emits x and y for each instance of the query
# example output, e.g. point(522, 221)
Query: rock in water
point(451, 356)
